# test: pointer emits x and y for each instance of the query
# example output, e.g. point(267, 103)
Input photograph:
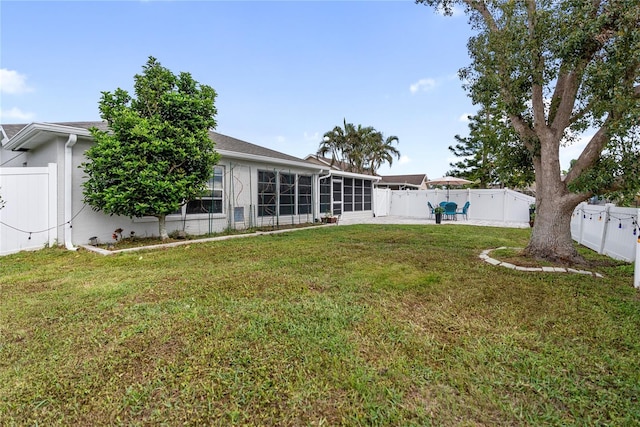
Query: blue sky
point(285, 72)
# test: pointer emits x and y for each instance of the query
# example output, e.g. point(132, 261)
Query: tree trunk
point(162, 227)
point(551, 237)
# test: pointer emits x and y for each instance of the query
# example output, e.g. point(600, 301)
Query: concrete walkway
point(373, 220)
point(432, 221)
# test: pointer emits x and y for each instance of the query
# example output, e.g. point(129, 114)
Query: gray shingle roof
point(403, 179)
point(223, 142)
point(227, 143)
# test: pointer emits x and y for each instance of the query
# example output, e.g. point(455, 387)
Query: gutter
point(26, 138)
point(68, 173)
point(268, 160)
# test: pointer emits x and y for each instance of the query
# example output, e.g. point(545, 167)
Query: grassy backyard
point(353, 325)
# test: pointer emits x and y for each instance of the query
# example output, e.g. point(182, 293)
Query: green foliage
point(358, 149)
point(492, 154)
point(158, 153)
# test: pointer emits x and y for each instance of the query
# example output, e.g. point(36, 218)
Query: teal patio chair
point(431, 209)
point(451, 210)
point(464, 210)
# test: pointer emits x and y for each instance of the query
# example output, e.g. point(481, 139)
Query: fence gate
point(28, 219)
point(381, 202)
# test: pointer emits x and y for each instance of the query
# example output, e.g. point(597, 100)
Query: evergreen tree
point(157, 154)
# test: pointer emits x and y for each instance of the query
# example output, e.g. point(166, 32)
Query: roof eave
point(356, 175)
point(271, 160)
point(30, 136)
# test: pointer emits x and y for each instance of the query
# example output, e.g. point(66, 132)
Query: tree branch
point(538, 67)
point(568, 85)
point(591, 152)
point(481, 8)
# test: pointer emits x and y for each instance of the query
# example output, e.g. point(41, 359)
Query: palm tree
point(336, 142)
point(382, 151)
point(358, 149)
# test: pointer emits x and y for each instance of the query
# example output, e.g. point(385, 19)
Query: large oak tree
point(157, 154)
point(562, 68)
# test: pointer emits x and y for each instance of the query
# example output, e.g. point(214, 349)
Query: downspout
point(68, 173)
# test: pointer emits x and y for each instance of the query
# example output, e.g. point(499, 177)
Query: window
point(266, 193)
point(287, 194)
point(284, 194)
point(304, 194)
point(211, 201)
point(367, 195)
point(325, 195)
point(356, 195)
point(348, 195)
point(357, 199)
point(337, 195)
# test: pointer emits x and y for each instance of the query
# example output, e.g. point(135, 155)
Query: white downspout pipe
point(68, 173)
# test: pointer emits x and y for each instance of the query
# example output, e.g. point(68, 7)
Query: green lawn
point(351, 325)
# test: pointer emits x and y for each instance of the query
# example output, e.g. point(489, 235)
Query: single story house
point(252, 186)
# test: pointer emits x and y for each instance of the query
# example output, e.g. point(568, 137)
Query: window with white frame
point(267, 193)
point(325, 195)
point(284, 193)
point(304, 194)
point(347, 202)
point(353, 195)
point(357, 195)
point(212, 199)
point(287, 192)
point(367, 190)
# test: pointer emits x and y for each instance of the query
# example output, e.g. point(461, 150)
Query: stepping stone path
point(485, 256)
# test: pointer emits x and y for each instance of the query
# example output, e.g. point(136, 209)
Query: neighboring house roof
point(27, 136)
point(340, 168)
point(323, 161)
point(416, 180)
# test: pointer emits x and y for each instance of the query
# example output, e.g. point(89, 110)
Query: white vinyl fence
point(497, 205)
point(28, 220)
point(607, 229)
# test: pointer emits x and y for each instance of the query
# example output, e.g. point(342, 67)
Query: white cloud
point(424, 85)
point(13, 82)
point(15, 114)
point(404, 159)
